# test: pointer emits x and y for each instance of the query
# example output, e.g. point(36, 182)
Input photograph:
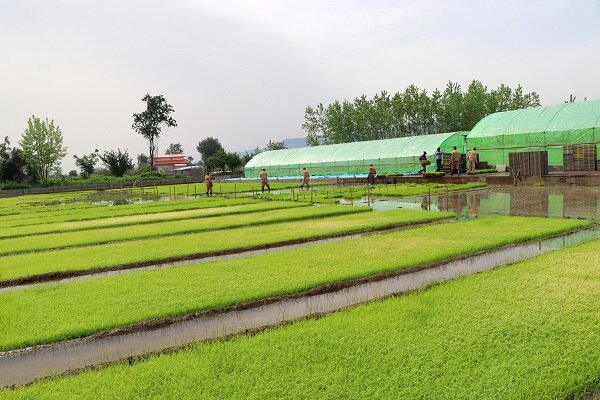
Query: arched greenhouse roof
point(389, 155)
point(410, 146)
point(555, 118)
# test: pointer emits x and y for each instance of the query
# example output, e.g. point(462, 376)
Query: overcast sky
point(244, 71)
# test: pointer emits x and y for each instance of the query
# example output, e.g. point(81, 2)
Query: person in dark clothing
point(371, 176)
point(438, 160)
point(423, 160)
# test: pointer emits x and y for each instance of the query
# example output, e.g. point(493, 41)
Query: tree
point(86, 163)
point(233, 161)
point(73, 173)
point(175, 148)
point(117, 162)
point(142, 161)
point(42, 144)
point(216, 161)
point(275, 145)
point(13, 166)
point(209, 147)
point(149, 123)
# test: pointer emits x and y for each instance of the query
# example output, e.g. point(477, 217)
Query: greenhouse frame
point(534, 129)
point(389, 156)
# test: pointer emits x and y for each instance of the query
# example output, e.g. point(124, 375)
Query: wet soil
point(149, 337)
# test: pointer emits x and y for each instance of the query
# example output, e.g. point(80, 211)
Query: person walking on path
point(371, 176)
point(472, 158)
point(423, 160)
point(209, 184)
point(455, 162)
point(438, 160)
point(264, 180)
point(305, 178)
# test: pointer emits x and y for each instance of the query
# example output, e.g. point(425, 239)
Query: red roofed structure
point(168, 162)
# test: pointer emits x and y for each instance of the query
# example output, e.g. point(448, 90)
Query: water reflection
point(553, 201)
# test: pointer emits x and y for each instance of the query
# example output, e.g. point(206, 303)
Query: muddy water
point(19, 367)
point(551, 201)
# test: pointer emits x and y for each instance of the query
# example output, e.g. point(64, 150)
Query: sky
point(244, 71)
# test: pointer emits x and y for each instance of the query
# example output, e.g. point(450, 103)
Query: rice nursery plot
point(203, 243)
point(84, 307)
point(29, 230)
point(220, 188)
point(525, 331)
point(168, 228)
point(120, 211)
point(333, 194)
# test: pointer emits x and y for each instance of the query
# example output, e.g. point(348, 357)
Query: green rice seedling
point(119, 211)
point(84, 307)
point(525, 331)
point(203, 243)
point(167, 228)
point(57, 227)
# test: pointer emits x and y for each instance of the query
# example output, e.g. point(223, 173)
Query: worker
point(209, 183)
point(455, 162)
point(438, 160)
point(423, 160)
point(371, 176)
point(264, 180)
point(305, 178)
point(472, 159)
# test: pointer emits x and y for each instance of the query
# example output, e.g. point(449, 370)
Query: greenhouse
point(389, 156)
point(533, 129)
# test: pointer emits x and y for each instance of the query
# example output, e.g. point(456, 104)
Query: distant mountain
point(295, 143)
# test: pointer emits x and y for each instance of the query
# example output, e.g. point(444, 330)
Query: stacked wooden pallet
point(446, 163)
point(579, 157)
point(531, 163)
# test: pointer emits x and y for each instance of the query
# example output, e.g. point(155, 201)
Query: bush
point(433, 174)
point(485, 171)
point(14, 185)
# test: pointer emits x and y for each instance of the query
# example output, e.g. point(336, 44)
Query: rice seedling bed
point(526, 331)
point(120, 211)
point(84, 307)
point(333, 194)
point(220, 188)
point(51, 265)
point(167, 228)
point(39, 229)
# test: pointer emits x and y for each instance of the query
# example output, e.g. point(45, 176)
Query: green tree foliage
point(412, 112)
point(13, 166)
point(275, 145)
point(142, 161)
point(174, 148)
point(117, 162)
point(149, 123)
point(223, 161)
point(73, 173)
point(42, 144)
point(86, 163)
point(209, 147)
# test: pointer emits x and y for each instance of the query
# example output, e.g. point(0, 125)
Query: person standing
point(438, 160)
point(423, 160)
point(264, 180)
point(472, 158)
point(209, 183)
point(305, 178)
point(455, 162)
point(371, 176)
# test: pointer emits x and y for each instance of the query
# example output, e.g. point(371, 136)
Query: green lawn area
point(98, 212)
point(59, 311)
point(525, 331)
point(150, 250)
point(168, 228)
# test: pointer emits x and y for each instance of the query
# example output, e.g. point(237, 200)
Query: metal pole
point(235, 190)
point(429, 200)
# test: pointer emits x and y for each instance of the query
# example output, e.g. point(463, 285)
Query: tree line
point(412, 112)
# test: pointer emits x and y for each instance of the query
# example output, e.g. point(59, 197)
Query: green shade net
point(389, 156)
point(534, 129)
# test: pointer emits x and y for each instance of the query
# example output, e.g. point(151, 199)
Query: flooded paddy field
point(156, 334)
